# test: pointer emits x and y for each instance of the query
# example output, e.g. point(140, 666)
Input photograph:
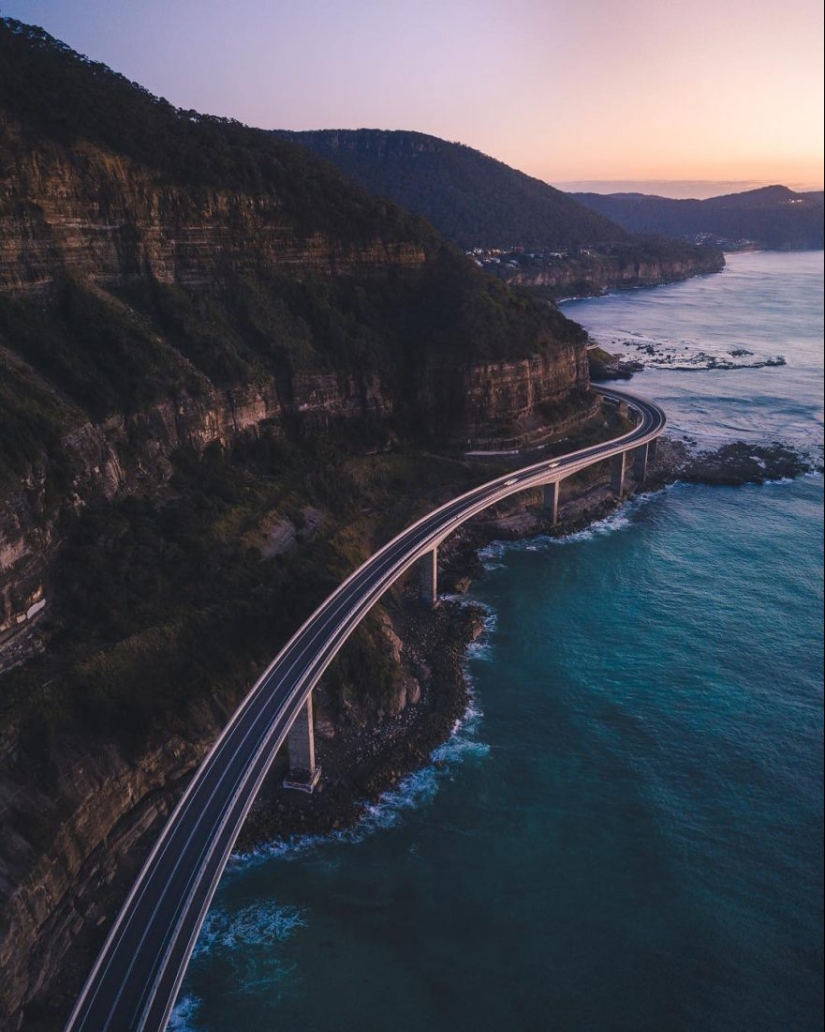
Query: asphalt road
point(135, 980)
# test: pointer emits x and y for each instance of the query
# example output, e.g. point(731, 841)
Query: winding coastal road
point(135, 980)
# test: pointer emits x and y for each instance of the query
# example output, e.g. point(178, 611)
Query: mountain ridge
point(470, 208)
point(481, 204)
point(773, 217)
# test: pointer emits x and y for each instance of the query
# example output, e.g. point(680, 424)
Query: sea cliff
point(594, 271)
point(226, 376)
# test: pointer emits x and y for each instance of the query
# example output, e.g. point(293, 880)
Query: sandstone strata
point(102, 804)
point(91, 213)
point(589, 275)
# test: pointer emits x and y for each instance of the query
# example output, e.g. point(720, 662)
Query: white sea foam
point(414, 791)
point(492, 555)
point(260, 924)
point(184, 1017)
point(687, 355)
point(245, 939)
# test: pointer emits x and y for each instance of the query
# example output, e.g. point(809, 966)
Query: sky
point(684, 99)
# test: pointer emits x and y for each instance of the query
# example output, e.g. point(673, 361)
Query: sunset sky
point(729, 91)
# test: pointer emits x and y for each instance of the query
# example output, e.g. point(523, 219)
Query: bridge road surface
point(135, 980)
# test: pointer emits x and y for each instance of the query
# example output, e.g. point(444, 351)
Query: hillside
point(774, 217)
point(548, 240)
point(226, 375)
point(197, 252)
point(472, 199)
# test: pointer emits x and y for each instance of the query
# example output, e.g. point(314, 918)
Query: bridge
point(135, 980)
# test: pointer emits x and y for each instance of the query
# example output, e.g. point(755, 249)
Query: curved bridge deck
point(135, 980)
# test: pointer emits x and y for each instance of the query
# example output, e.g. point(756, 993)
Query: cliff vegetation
point(772, 218)
point(226, 374)
point(484, 205)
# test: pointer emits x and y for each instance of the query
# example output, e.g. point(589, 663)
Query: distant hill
point(472, 199)
point(773, 217)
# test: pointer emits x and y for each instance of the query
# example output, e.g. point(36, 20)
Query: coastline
point(361, 766)
point(366, 765)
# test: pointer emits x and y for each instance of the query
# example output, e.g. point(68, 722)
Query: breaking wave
point(492, 555)
point(414, 791)
point(246, 942)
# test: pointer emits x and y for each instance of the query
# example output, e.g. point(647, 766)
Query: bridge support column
point(428, 571)
point(617, 474)
point(652, 449)
point(304, 773)
point(640, 457)
point(551, 502)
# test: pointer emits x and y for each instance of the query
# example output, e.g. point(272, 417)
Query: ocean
point(626, 830)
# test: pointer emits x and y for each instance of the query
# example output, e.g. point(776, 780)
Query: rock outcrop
point(91, 213)
point(68, 832)
point(594, 273)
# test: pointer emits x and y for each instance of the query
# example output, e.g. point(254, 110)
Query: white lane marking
point(483, 496)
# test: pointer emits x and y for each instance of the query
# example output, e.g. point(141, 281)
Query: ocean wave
point(412, 792)
point(260, 924)
point(481, 648)
point(617, 521)
point(246, 940)
point(184, 1017)
point(778, 482)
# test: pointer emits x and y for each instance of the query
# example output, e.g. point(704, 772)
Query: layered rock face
point(512, 404)
point(596, 274)
point(67, 836)
point(92, 213)
point(514, 390)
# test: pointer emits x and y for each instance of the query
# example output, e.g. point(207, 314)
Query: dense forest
point(773, 217)
point(472, 199)
point(484, 205)
point(118, 343)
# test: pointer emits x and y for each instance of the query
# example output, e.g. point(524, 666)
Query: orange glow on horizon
point(597, 90)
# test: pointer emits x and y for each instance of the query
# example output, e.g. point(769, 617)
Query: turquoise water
point(626, 831)
point(769, 305)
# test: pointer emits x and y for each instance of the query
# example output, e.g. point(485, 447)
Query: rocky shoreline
point(362, 763)
point(365, 754)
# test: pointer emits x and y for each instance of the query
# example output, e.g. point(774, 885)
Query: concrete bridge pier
point(551, 502)
point(640, 457)
point(617, 473)
point(428, 572)
point(652, 449)
point(303, 773)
